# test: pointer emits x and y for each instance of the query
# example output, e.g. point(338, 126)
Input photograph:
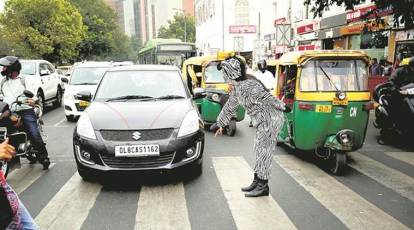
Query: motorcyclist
point(404, 75)
point(265, 76)
point(12, 86)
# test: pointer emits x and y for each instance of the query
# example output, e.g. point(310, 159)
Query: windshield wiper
point(166, 97)
point(85, 83)
point(129, 97)
point(330, 80)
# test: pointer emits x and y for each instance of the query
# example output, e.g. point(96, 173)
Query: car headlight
point(85, 128)
point(190, 124)
point(215, 97)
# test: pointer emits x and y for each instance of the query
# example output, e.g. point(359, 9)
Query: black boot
point(261, 189)
point(45, 162)
point(252, 185)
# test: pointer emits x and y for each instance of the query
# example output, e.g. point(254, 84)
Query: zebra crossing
point(166, 206)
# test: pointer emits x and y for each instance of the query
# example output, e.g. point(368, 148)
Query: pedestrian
point(13, 214)
point(264, 108)
point(375, 68)
point(264, 75)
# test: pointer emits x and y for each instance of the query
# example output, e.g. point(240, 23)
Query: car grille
point(79, 108)
point(138, 162)
point(126, 135)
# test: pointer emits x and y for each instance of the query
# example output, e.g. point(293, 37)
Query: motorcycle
point(394, 116)
point(11, 123)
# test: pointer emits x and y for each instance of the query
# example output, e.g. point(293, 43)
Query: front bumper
point(172, 153)
point(72, 107)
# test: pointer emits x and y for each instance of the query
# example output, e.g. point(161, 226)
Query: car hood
point(138, 115)
point(74, 89)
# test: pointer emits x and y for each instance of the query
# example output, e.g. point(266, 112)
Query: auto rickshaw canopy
point(298, 57)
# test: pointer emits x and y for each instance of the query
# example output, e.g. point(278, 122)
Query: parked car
point(84, 76)
point(42, 79)
point(141, 118)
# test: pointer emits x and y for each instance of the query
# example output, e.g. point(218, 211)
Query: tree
point(177, 27)
point(403, 9)
point(49, 29)
point(100, 21)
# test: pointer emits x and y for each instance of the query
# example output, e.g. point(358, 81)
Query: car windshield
point(213, 75)
point(28, 68)
point(87, 75)
point(140, 85)
point(334, 75)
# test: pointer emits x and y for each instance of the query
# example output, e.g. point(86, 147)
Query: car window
point(43, 67)
point(51, 68)
point(87, 75)
point(213, 75)
point(28, 68)
point(142, 83)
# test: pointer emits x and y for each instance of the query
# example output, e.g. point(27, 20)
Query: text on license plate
point(84, 103)
point(137, 150)
point(336, 101)
point(323, 108)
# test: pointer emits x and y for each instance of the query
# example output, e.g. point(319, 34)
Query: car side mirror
point(28, 93)
point(84, 96)
point(199, 93)
point(44, 72)
point(64, 80)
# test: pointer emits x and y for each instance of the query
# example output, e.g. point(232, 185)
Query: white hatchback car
point(42, 79)
point(84, 76)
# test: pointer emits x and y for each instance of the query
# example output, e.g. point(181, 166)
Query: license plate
point(137, 150)
point(323, 108)
point(336, 101)
point(84, 103)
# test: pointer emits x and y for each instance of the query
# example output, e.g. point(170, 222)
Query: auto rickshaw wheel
point(231, 128)
point(338, 164)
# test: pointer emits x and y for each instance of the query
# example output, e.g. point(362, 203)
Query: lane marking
point(69, 208)
point(60, 122)
point(351, 209)
point(391, 178)
point(248, 213)
point(162, 207)
point(407, 157)
point(20, 179)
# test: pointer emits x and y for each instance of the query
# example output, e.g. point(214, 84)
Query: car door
point(54, 80)
point(45, 78)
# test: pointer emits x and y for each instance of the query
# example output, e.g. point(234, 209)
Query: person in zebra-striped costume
point(266, 112)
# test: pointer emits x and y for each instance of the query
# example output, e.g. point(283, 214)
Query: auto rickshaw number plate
point(323, 108)
point(336, 101)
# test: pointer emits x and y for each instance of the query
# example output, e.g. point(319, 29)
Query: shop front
point(329, 33)
point(404, 44)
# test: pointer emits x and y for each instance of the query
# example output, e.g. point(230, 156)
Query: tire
point(86, 176)
point(195, 170)
point(41, 101)
point(338, 164)
point(5, 168)
point(231, 128)
point(58, 101)
point(70, 118)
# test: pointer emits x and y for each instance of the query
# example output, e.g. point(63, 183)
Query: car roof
point(34, 60)
point(93, 64)
point(144, 68)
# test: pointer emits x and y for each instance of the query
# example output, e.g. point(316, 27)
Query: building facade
point(2, 3)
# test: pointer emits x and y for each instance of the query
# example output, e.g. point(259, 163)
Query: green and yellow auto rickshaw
point(209, 88)
point(330, 100)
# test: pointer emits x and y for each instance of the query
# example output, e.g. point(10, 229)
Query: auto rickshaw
point(330, 100)
point(209, 88)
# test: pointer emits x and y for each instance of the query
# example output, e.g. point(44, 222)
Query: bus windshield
point(213, 75)
point(165, 59)
point(334, 75)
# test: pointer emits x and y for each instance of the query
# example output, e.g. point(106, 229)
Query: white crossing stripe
point(69, 208)
point(407, 157)
point(162, 207)
point(391, 178)
point(248, 213)
point(351, 209)
point(20, 179)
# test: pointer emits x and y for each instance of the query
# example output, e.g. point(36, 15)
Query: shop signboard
point(329, 33)
point(405, 35)
point(358, 14)
point(305, 28)
point(280, 21)
point(333, 21)
point(270, 37)
point(357, 28)
point(242, 29)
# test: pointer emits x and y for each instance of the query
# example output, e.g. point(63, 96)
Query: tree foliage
point(177, 27)
point(403, 9)
point(49, 29)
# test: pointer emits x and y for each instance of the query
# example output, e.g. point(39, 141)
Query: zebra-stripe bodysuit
point(266, 112)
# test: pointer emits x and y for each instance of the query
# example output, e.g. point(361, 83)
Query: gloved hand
point(287, 109)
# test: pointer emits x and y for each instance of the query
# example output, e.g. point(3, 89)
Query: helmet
point(262, 65)
point(11, 63)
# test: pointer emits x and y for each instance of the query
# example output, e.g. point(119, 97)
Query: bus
point(166, 52)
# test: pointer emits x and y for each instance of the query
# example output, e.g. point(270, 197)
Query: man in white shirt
point(265, 76)
point(10, 88)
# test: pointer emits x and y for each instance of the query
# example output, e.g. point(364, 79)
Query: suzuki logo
point(136, 136)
